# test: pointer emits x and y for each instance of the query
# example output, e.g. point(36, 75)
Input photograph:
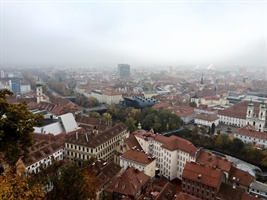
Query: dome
point(38, 83)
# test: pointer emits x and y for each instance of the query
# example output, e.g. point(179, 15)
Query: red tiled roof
point(129, 183)
point(111, 92)
point(209, 176)
point(250, 131)
point(228, 192)
point(137, 156)
point(131, 142)
point(207, 158)
point(241, 177)
point(239, 110)
point(207, 117)
point(185, 196)
point(177, 143)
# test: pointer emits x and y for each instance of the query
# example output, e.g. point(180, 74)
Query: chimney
point(76, 135)
point(199, 177)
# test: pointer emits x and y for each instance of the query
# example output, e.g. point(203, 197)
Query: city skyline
point(143, 33)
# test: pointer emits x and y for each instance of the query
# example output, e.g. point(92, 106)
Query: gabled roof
point(93, 140)
point(203, 174)
point(227, 191)
point(208, 158)
point(167, 193)
point(250, 131)
point(103, 171)
point(132, 142)
point(241, 177)
point(138, 156)
point(207, 117)
point(185, 196)
point(177, 143)
point(129, 183)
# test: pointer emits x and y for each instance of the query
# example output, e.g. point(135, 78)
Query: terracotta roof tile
point(208, 158)
point(241, 177)
point(250, 131)
point(138, 156)
point(129, 183)
point(207, 117)
point(177, 143)
point(209, 176)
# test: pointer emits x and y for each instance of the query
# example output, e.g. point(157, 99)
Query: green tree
point(237, 146)
point(130, 123)
point(73, 183)
point(94, 114)
point(16, 126)
point(213, 128)
point(193, 104)
point(93, 102)
point(14, 187)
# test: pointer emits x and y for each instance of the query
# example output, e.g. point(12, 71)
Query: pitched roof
point(132, 142)
point(208, 158)
point(93, 140)
point(185, 196)
point(103, 171)
point(137, 156)
point(167, 193)
point(177, 143)
point(227, 191)
point(239, 110)
point(241, 177)
point(129, 183)
point(207, 117)
point(250, 131)
point(203, 174)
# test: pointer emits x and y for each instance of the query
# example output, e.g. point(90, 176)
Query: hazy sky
point(139, 33)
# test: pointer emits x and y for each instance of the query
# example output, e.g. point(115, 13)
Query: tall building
point(15, 85)
point(123, 70)
point(39, 91)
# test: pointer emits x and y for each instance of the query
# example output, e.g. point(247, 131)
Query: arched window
point(254, 123)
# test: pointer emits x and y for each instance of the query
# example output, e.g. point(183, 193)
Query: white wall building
point(57, 125)
point(140, 160)
point(243, 113)
point(171, 153)
point(249, 135)
point(207, 119)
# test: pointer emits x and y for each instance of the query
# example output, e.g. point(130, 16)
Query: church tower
point(262, 111)
point(250, 110)
point(202, 80)
point(39, 91)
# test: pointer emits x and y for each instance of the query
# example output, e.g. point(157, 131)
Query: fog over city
point(143, 33)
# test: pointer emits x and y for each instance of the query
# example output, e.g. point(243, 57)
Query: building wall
point(206, 123)
point(251, 140)
point(104, 151)
point(149, 169)
point(47, 161)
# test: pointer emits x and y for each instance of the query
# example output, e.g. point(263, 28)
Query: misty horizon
point(137, 33)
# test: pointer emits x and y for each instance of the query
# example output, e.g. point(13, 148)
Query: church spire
point(202, 80)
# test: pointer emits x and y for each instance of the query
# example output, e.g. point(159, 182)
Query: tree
point(73, 184)
point(213, 128)
point(193, 104)
point(16, 126)
point(94, 114)
point(93, 102)
point(237, 146)
point(14, 186)
point(130, 123)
